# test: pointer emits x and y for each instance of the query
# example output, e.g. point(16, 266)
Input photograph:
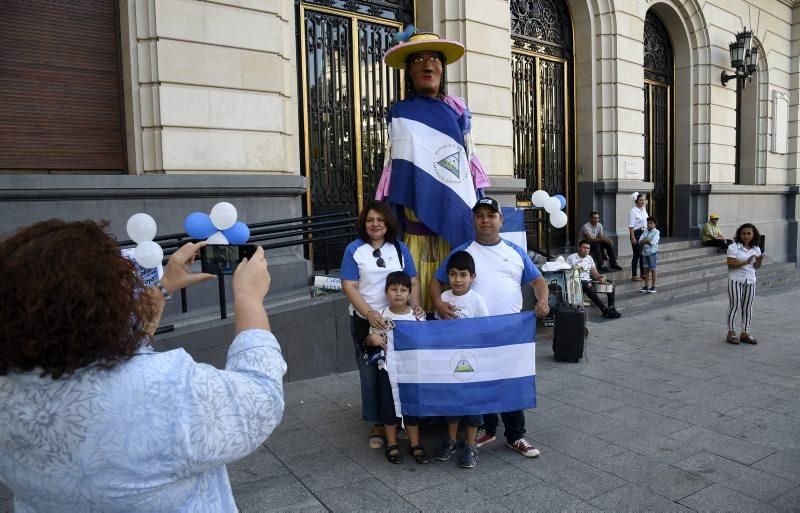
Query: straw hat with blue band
point(423, 42)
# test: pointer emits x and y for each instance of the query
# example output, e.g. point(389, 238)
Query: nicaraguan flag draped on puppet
point(463, 366)
point(430, 170)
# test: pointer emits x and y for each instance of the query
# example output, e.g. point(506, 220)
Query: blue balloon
point(199, 226)
point(237, 234)
point(562, 199)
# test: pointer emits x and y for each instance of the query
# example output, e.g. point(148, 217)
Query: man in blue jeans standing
point(501, 268)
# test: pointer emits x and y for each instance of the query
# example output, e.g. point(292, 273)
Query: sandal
point(748, 340)
point(636, 278)
point(419, 454)
point(376, 441)
point(733, 339)
point(393, 454)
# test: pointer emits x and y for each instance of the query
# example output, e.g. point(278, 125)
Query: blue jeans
point(370, 391)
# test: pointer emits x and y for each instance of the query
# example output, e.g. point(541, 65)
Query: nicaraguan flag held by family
point(513, 228)
point(463, 366)
point(430, 168)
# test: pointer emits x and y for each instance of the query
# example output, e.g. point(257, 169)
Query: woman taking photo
point(744, 257)
point(366, 263)
point(637, 222)
point(93, 419)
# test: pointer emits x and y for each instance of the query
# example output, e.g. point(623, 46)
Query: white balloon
point(141, 228)
point(552, 205)
point(148, 254)
point(539, 197)
point(217, 238)
point(223, 215)
point(558, 219)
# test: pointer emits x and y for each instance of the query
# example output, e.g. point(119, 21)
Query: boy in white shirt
point(467, 304)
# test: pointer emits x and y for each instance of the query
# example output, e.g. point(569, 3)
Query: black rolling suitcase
point(568, 335)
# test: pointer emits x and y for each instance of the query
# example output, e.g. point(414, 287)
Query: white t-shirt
point(747, 273)
point(359, 265)
point(586, 264)
point(500, 271)
point(467, 305)
point(396, 317)
point(637, 219)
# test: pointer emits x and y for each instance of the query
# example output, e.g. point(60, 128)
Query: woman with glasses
point(365, 264)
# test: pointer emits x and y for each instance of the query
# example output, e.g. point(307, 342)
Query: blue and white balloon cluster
point(554, 205)
point(142, 230)
point(220, 227)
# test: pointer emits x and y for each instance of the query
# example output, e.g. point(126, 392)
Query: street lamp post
point(744, 61)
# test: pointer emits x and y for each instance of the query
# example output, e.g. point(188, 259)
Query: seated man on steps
point(598, 242)
point(712, 235)
point(583, 260)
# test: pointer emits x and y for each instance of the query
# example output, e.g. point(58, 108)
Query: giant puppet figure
point(430, 170)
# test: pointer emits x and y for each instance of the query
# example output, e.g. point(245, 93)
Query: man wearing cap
point(430, 169)
point(712, 235)
point(501, 268)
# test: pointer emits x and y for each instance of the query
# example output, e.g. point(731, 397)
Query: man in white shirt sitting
point(583, 260)
point(598, 242)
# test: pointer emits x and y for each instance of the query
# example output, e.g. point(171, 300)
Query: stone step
point(671, 256)
point(665, 266)
point(768, 275)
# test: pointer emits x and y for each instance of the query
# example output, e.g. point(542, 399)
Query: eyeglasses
point(380, 261)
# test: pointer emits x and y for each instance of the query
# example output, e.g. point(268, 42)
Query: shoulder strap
point(399, 252)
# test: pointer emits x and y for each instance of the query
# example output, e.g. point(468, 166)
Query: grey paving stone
point(368, 495)
point(641, 440)
point(747, 480)
point(283, 493)
point(6, 499)
point(785, 464)
point(720, 498)
point(630, 498)
point(545, 497)
point(288, 443)
point(586, 421)
point(259, 465)
point(574, 443)
point(571, 475)
point(300, 392)
point(665, 480)
point(772, 437)
point(319, 470)
point(320, 413)
point(659, 424)
point(352, 377)
point(729, 447)
point(403, 479)
point(493, 477)
point(707, 418)
point(789, 501)
point(452, 496)
point(768, 418)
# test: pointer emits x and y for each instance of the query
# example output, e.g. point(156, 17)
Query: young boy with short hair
point(398, 291)
point(649, 242)
point(467, 304)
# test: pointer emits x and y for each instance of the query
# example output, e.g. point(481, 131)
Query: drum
point(603, 288)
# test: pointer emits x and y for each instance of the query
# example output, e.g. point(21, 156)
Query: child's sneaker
point(523, 447)
point(482, 437)
point(652, 290)
point(469, 458)
point(644, 289)
point(448, 449)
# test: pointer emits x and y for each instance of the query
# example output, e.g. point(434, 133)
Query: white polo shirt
point(359, 265)
point(500, 271)
point(747, 273)
point(586, 264)
point(637, 218)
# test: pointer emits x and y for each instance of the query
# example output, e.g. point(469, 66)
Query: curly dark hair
point(383, 209)
point(756, 234)
point(68, 299)
point(408, 84)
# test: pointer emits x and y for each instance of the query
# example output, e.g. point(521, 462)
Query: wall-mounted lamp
point(744, 58)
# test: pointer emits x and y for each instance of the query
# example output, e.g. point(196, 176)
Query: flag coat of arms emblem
point(463, 366)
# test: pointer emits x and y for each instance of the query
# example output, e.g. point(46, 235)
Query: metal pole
point(738, 165)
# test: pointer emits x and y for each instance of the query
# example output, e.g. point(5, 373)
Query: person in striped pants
point(744, 257)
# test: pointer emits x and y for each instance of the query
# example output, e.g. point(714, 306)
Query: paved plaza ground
point(662, 415)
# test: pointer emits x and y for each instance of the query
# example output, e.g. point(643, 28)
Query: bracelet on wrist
point(164, 291)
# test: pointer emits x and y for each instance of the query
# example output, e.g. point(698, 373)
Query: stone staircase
point(689, 271)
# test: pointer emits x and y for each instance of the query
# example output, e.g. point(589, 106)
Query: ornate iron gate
point(542, 86)
point(658, 74)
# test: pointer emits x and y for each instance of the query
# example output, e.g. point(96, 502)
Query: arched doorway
point(542, 90)
point(658, 119)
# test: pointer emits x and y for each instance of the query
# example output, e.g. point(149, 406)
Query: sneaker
point(448, 449)
point(618, 268)
point(644, 289)
point(469, 458)
point(602, 269)
point(652, 290)
point(482, 437)
point(523, 447)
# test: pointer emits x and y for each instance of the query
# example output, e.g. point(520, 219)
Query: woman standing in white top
point(744, 257)
point(637, 221)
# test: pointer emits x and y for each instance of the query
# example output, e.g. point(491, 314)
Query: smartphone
point(223, 259)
